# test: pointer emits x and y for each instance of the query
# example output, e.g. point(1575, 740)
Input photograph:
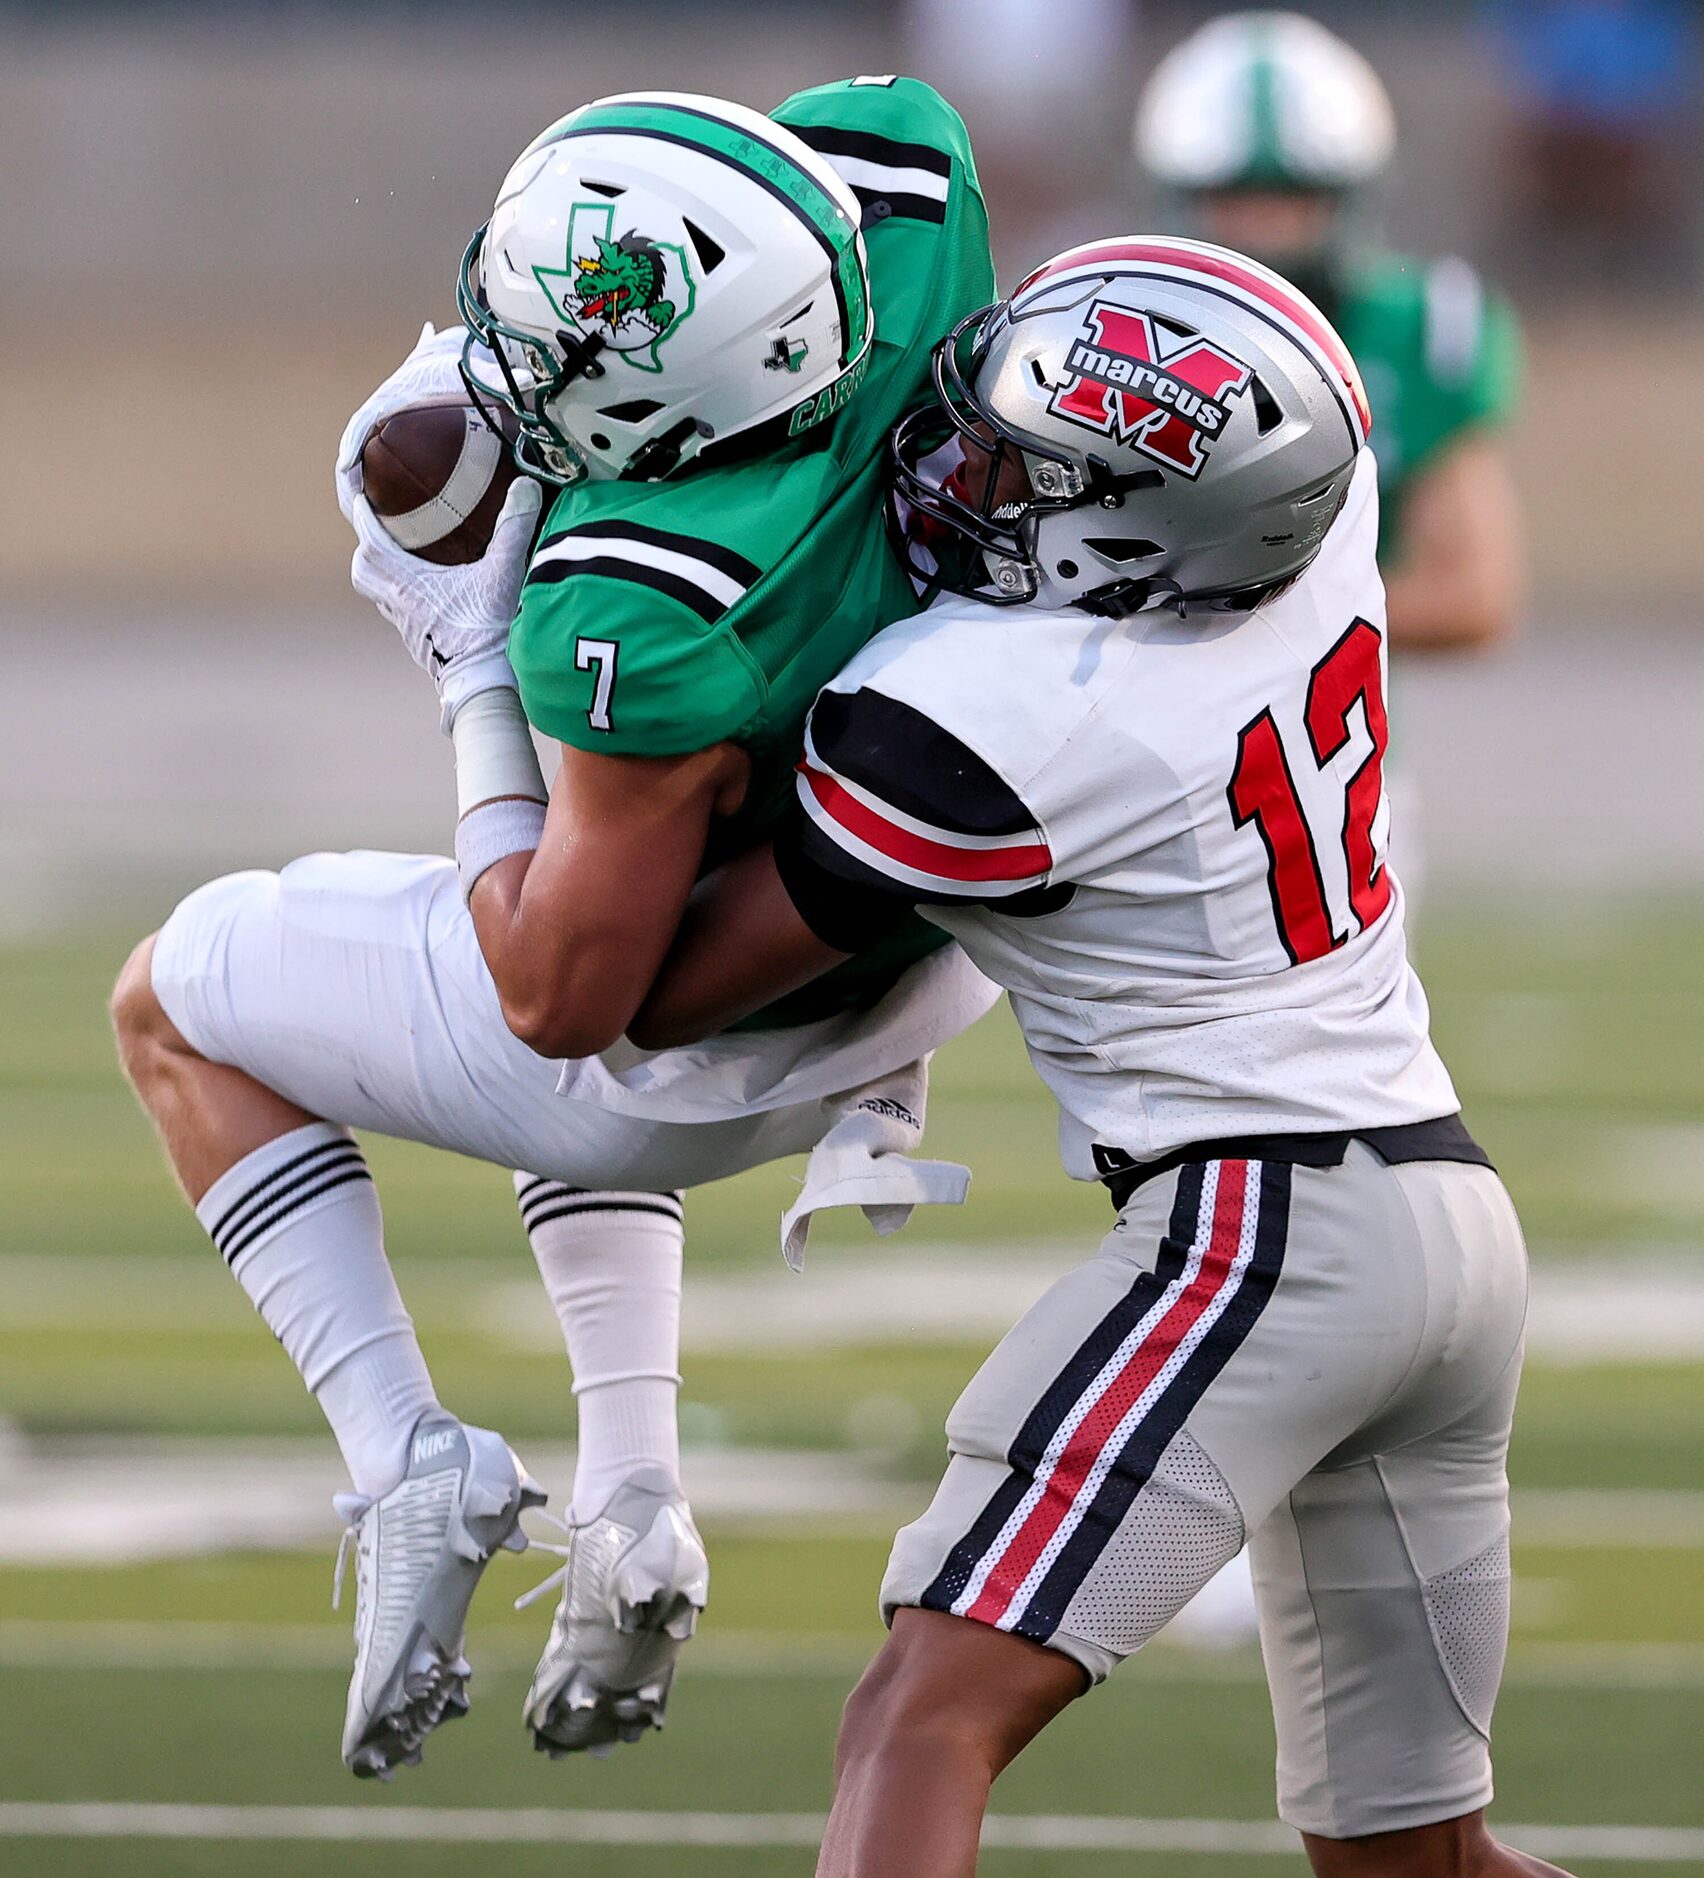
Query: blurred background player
point(1268, 133)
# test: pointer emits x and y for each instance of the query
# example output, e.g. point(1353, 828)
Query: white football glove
point(454, 620)
point(430, 375)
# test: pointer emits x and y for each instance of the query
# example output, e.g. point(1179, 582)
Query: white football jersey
point(1164, 837)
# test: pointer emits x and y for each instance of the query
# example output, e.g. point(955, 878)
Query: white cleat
point(635, 1580)
point(419, 1553)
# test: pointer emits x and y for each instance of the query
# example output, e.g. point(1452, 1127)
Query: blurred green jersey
point(1440, 354)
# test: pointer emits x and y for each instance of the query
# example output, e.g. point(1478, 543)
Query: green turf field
point(1578, 1041)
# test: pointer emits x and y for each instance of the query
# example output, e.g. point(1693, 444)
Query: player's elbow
point(658, 1027)
point(1487, 620)
point(561, 1028)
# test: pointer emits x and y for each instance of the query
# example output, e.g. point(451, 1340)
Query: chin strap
point(579, 359)
point(1120, 598)
point(653, 461)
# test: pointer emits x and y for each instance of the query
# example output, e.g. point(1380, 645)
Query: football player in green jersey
point(705, 322)
point(1269, 132)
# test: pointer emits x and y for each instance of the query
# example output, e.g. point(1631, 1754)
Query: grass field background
point(1577, 1036)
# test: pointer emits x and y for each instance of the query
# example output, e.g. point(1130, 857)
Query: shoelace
point(351, 1532)
point(564, 1552)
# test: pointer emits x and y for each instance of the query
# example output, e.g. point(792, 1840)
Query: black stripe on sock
point(255, 1192)
point(1043, 1422)
point(334, 1179)
point(262, 1198)
point(542, 1190)
point(1135, 1462)
point(659, 1207)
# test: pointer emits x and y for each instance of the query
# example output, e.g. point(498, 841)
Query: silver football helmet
point(1144, 419)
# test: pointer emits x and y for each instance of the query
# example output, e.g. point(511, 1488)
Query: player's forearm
point(1430, 612)
point(568, 985)
point(740, 946)
point(565, 990)
point(1461, 581)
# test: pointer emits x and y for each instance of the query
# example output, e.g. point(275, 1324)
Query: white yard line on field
point(1624, 1305)
point(89, 1500)
point(189, 1644)
point(93, 1501)
point(537, 1826)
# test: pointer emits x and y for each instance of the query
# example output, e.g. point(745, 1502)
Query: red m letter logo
point(1171, 406)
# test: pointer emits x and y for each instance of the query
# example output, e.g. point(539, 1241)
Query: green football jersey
point(661, 618)
point(1440, 355)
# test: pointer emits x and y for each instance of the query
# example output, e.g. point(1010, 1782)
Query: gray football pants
point(1320, 1360)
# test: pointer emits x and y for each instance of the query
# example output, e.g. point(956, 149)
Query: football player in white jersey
point(1134, 766)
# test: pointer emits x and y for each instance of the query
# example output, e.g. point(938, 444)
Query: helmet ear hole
point(1267, 415)
point(710, 252)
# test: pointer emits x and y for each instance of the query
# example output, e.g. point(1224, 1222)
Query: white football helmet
point(663, 272)
point(1264, 100)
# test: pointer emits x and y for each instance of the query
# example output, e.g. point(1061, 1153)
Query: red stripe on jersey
point(1098, 1427)
point(1223, 267)
point(1026, 861)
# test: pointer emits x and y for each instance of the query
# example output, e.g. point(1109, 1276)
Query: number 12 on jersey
point(1263, 791)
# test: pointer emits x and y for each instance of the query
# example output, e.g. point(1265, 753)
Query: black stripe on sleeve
point(847, 905)
point(832, 140)
point(712, 553)
point(910, 762)
point(878, 205)
point(705, 605)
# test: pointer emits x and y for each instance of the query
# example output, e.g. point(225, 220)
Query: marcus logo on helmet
point(1120, 380)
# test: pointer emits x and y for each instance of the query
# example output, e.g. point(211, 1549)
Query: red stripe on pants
point(1099, 1425)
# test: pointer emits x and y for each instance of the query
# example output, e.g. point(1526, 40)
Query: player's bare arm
point(742, 944)
point(1460, 581)
point(575, 931)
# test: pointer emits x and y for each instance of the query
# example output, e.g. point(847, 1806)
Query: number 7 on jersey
point(598, 655)
point(1263, 791)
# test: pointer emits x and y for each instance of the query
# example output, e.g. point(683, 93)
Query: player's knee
point(1452, 1848)
point(943, 1686)
point(863, 1718)
point(144, 1032)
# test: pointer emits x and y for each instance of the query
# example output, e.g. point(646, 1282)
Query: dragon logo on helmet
point(630, 291)
point(1169, 401)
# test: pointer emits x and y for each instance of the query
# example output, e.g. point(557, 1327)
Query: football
point(436, 477)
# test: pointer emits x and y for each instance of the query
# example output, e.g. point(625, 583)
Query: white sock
point(298, 1223)
point(611, 1263)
